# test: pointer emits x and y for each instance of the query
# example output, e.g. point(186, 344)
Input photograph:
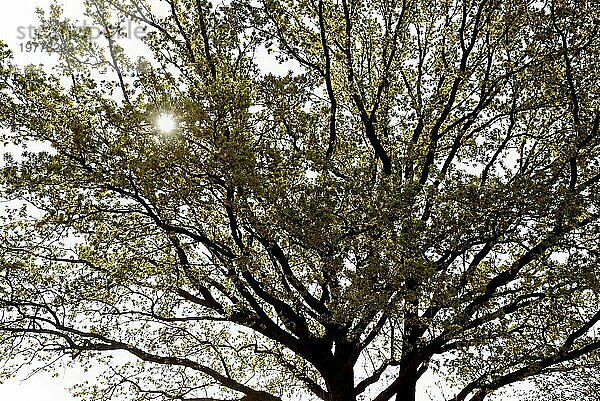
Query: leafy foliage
point(420, 191)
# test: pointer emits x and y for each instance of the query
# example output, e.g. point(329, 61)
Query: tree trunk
point(340, 384)
point(408, 389)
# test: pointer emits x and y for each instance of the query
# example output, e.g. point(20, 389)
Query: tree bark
point(407, 390)
point(340, 383)
point(407, 387)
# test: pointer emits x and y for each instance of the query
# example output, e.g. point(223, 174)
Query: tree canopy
point(418, 191)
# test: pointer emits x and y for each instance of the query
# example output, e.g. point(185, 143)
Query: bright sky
point(16, 23)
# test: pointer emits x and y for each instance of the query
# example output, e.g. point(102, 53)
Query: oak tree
point(404, 187)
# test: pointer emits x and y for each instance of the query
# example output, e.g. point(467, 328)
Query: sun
point(165, 123)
